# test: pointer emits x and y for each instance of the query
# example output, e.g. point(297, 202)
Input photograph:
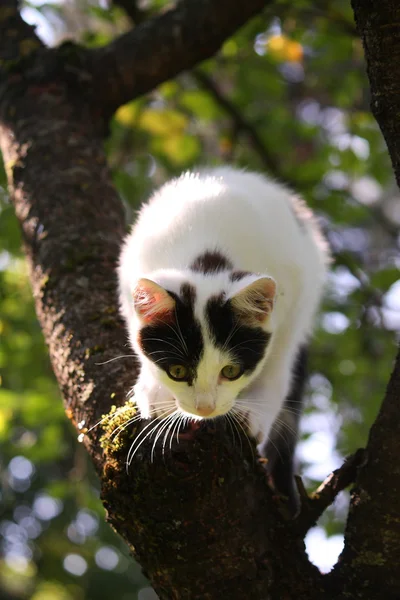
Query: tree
point(54, 113)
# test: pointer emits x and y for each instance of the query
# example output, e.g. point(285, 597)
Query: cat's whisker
point(169, 355)
point(147, 434)
point(167, 342)
point(116, 358)
point(286, 426)
point(236, 415)
point(170, 427)
point(137, 417)
point(249, 403)
point(182, 423)
point(143, 434)
point(108, 416)
point(118, 430)
point(162, 428)
point(167, 404)
point(179, 418)
point(278, 431)
point(180, 335)
point(177, 421)
point(268, 412)
point(178, 332)
point(237, 325)
point(233, 423)
point(271, 441)
point(177, 359)
point(239, 344)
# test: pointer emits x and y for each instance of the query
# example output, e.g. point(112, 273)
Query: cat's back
point(247, 216)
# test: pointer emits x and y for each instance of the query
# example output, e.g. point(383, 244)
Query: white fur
point(250, 219)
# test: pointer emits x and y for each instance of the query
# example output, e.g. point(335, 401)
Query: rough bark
point(371, 553)
point(201, 520)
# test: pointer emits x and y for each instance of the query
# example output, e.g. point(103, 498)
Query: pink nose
point(205, 410)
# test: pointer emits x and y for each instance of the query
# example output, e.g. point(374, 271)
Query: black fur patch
point(211, 262)
point(238, 275)
point(247, 344)
point(162, 343)
point(188, 294)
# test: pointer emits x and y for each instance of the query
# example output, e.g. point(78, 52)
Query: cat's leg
point(279, 447)
point(152, 398)
point(264, 398)
point(274, 403)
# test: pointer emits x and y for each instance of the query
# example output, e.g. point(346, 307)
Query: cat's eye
point(232, 372)
point(177, 372)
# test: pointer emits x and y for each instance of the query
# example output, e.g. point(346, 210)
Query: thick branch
point(163, 46)
point(378, 23)
point(71, 218)
point(369, 551)
point(312, 507)
point(209, 529)
point(23, 40)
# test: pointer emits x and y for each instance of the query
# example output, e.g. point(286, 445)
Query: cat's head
point(204, 339)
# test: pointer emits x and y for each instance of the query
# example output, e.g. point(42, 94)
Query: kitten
point(220, 280)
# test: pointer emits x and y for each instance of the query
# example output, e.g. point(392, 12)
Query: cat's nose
point(205, 411)
point(205, 405)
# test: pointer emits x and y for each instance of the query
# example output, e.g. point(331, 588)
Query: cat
point(219, 282)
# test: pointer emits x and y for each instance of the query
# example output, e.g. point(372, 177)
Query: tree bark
point(200, 518)
point(370, 552)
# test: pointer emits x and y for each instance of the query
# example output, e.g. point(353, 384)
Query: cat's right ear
point(152, 302)
point(254, 302)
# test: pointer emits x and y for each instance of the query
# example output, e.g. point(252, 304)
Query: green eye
point(232, 372)
point(177, 372)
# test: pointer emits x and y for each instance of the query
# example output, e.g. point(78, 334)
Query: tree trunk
point(201, 520)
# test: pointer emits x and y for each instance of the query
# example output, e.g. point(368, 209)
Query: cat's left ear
point(254, 302)
point(152, 302)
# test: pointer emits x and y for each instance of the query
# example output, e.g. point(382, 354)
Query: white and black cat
point(220, 280)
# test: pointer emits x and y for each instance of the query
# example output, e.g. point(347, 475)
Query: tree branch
point(312, 507)
point(242, 125)
point(165, 45)
point(378, 23)
point(368, 552)
point(22, 43)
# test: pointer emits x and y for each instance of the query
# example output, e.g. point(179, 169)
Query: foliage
point(294, 103)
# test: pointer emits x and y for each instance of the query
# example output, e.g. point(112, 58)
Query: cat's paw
point(255, 428)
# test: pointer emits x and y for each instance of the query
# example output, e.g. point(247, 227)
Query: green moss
point(117, 417)
point(94, 350)
point(44, 281)
point(375, 559)
point(6, 12)
point(107, 322)
point(28, 46)
point(76, 259)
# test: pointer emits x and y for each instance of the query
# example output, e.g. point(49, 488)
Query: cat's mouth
point(190, 430)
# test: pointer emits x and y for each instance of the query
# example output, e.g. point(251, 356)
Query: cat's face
point(205, 351)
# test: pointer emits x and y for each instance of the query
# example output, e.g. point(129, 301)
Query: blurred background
point(287, 95)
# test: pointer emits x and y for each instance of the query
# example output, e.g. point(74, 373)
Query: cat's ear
point(254, 302)
point(152, 302)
